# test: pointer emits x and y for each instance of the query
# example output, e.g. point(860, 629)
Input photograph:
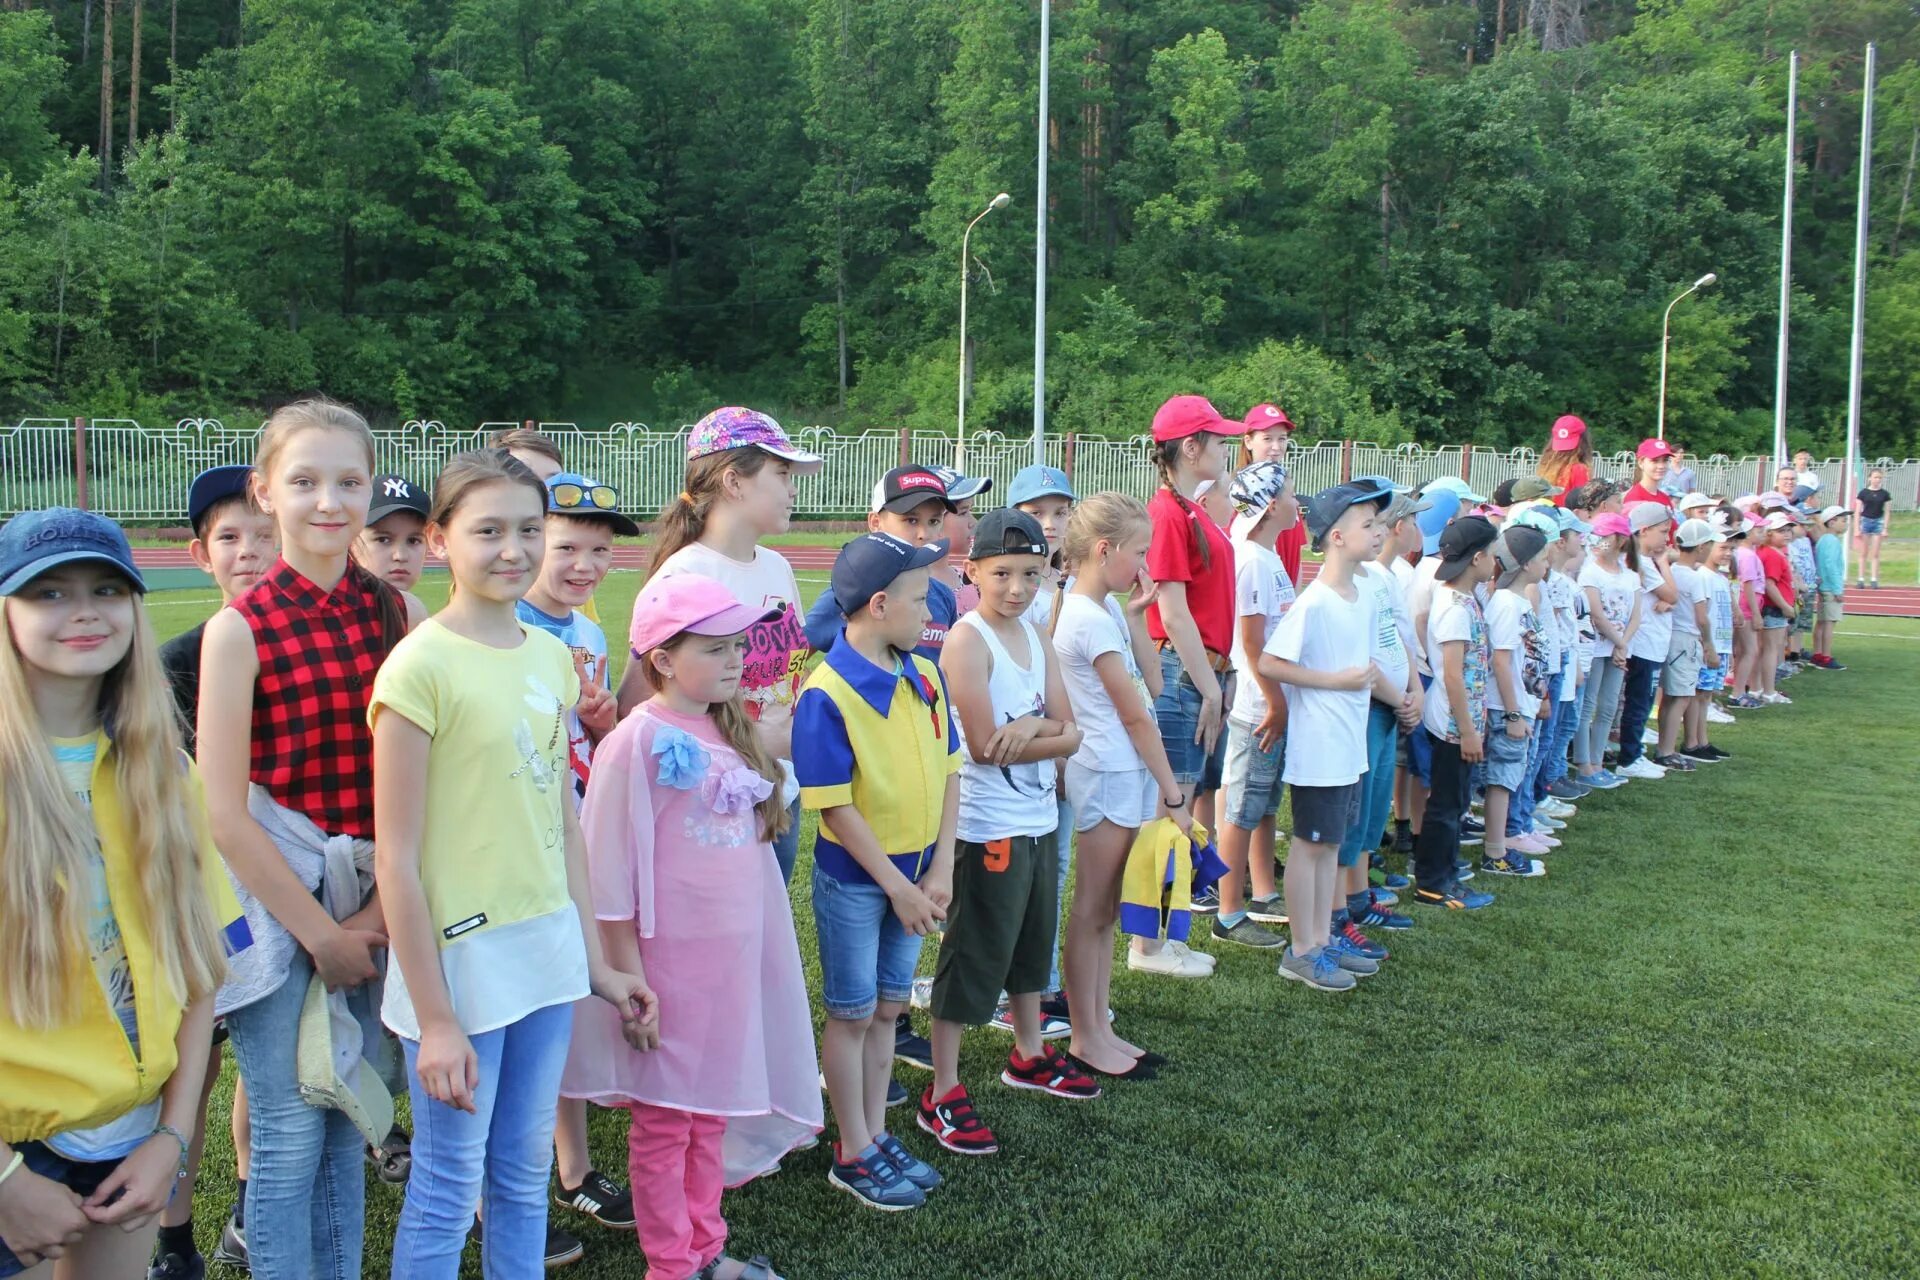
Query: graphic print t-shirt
point(588, 645)
point(777, 649)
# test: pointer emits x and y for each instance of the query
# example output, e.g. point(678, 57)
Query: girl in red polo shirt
point(1568, 461)
point(1650, 468)
point(1191, 621)
point(285, 673)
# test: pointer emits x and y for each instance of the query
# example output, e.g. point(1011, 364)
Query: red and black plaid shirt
point(318, 652)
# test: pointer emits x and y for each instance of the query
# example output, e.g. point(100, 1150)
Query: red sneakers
point(1051, 1073)
point(955, 1125)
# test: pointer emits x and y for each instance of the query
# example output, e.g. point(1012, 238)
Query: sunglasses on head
point(600, 497)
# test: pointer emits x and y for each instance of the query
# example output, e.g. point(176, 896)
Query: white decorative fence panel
point(139, 474)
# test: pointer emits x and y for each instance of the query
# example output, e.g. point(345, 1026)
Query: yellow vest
point(84, 1073)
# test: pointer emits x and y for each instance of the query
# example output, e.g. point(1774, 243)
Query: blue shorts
point(1419, 746)
point(82, 1177)
point(1714, 679)
point(1177, 710)
point(1252, 778)
point(1506, 758)
point(866, 955)
point(1869, 525)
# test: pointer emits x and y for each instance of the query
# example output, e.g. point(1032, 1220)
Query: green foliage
point(631, 208)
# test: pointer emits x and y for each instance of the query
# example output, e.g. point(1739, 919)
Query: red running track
point(1887, 602)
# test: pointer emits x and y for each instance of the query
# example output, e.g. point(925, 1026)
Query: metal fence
point(139, 474)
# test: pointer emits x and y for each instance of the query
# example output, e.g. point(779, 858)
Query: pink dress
point(674, 848)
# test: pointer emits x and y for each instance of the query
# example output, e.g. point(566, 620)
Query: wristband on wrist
point(178, 1137)
point(1178, 802)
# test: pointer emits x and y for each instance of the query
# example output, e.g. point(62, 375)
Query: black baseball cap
point(395, 493)
point(1007, 531)
point(1460, 542)
point(904, 488)
point(868, 565)
point(214, 486)
point(1517, 545)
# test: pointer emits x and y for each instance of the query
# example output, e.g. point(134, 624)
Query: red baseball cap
point(1566, 430)
point(1655, 449)
point(1185, 416)
point(1267, 417)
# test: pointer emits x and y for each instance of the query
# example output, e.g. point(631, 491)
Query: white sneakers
point(1716, 716)
point(1641, 768)
point(1173, 961)
point(1777, 698)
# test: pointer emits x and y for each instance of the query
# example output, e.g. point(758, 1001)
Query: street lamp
point(1705, 281)
point(960, 439)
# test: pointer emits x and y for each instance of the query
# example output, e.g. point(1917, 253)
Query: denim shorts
point(1177, 710)
point(1869, 525)
point(866, 955)
point(1771, 619)
point(82, 1177)
point(1252, 778)
point(1416, 749)
point(1506, 758)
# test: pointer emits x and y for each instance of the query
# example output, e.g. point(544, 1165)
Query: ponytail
point(683, 520)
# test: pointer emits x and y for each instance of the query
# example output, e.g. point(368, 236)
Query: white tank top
point(997, 801)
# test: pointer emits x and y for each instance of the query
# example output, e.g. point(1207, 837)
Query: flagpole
point(1786, 267)
point(1847, 480)
point(1040, 252)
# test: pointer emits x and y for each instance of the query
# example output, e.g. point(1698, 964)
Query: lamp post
point(960, 439)
point(1660, 426)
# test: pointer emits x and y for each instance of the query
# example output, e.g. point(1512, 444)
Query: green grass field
point(1689, 1051)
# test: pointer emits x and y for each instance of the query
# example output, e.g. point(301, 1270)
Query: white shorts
point(1127, 798)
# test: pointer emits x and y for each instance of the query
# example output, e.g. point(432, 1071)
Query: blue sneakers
point(1604, 780)
point(1376, 916)
point(872, 1179)
point(1454, 895)
point(917, 1171)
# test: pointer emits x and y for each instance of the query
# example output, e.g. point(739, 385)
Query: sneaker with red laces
point(954, 1123)
point(1361, 942)
point(1051, 1073)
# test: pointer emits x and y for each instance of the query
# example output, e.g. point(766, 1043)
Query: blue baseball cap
point(1325, 508)
point(1456, 486)
point(215, 485)
point(868, 565)
point(1443, 506)
point(38, 541)
point(1040, 481)
point(576, 497)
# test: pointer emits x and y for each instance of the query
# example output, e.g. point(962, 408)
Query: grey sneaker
point(1246, 933)
point(1317, 969)
point(1271, 909)
point(1350, 957)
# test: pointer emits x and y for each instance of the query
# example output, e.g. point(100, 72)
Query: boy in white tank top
point(1010, 708)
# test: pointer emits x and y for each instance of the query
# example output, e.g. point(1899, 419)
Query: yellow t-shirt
point(493, 851)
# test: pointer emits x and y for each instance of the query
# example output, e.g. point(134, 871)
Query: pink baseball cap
point(1567, 430)
point(1267, 417)
point(1185, 416)
point(1611, 524)
point(1654, 449)
point(692, 602)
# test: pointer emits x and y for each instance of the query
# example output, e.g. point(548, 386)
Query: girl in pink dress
point(680, 816)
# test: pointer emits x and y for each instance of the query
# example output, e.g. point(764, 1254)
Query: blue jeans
point(1642, 676)
point(1566, 723)
point(1063, 848)
point(1376, 785)
point(499, 1156)
point(866, 954)
point(786, 847)
point(1177, 710)
point(1598, 702)
point(306, 1198)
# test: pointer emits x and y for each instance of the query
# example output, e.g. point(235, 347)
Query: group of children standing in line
point(444, 855)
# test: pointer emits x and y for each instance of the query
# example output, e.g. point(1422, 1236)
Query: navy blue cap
point(396, 493)
point(38, 541)
point(868, 565)
point(215, 485)
point(1326, 507)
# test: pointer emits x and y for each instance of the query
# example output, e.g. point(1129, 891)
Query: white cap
point(1695, 533)
point(1695, 499)
point(1780, 520)
point(1830, 513)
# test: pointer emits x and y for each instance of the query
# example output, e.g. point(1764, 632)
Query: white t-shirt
point(1616, 588)
point(1326, 728)
point(1563, 599)
point(1656, 628)
point(1457, 615)
point(1389, 649)
point(1419, 604)
point(1509, 619)
point(1088, 629)
point(776, 650)
point(1692, 583)
point(1261, 589)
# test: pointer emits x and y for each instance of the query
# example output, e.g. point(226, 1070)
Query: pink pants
point(673, 1159)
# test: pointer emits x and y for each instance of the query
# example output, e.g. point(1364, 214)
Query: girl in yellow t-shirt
point(110, 949)
point(483, 875)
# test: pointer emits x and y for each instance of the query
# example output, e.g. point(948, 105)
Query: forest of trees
point(1404, 219)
